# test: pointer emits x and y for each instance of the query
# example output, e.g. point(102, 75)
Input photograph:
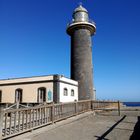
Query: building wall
point(28, 85)
point(29, 95)
point(69, 85)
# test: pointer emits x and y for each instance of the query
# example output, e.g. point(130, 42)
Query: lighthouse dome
point(80, 8)
point(80, 14)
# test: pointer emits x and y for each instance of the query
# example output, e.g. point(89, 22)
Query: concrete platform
point(88, 126)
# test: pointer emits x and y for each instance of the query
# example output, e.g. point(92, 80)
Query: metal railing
point(16, 121)
point(73, 21)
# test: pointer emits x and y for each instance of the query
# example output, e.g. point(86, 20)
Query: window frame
point(72, 92)
point(41, 94)
point(65, 92)
point(18, 95)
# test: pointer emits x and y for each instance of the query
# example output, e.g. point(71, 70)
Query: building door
point(18, 96)
point(41, 95)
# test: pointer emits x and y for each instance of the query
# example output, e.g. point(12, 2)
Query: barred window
point(18, 95)
point(72, 92)
point(65, 92)
point(41, 97)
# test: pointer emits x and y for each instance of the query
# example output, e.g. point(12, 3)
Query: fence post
point(1, 120)
point(75, 107)
point(91, 105)
point(52, 112)
point(119, 112)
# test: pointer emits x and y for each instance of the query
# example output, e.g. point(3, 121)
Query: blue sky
point(33, 42)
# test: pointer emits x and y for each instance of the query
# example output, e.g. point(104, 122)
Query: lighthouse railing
point(73, 21)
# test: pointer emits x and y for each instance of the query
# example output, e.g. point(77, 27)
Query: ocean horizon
point(132, 104)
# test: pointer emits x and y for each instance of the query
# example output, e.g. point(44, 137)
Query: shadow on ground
point(109, 130)
point(136, 132)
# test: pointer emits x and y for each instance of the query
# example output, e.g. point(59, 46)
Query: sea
point(132, 104)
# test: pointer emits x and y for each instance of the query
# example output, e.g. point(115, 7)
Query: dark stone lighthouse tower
point(81, 29)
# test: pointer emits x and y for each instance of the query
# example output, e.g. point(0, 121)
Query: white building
point(39, 89)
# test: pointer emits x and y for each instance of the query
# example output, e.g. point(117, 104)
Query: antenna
point(80, 3)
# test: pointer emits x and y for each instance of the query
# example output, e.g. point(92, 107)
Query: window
point(49, 95)
point(0, 96)
point(18, 95)
point(41, 97)
point(72, 92)
point(65, 92)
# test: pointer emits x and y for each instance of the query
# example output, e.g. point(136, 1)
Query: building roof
point(35, 79)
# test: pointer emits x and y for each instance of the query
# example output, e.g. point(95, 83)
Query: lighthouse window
point(72, 92)
point(65, 92)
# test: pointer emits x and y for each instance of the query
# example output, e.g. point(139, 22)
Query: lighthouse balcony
point(73, 22)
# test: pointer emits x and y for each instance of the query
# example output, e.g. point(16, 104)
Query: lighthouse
point(81, 28)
